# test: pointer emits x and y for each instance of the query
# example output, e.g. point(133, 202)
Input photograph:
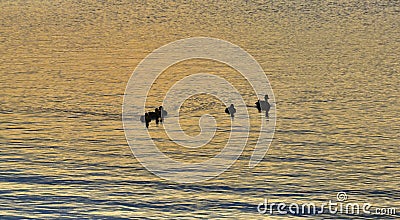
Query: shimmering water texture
point(333, 67)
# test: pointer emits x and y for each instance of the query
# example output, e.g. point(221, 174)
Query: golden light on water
point(333, 66)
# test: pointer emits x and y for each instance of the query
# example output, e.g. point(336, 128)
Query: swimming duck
point(231, 110)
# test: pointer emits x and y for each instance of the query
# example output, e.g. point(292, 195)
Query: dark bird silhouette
point(258, 105)
point(231, 110)
point(155, 115)
point(158, 116)
point(163, 113)
point(147, 119)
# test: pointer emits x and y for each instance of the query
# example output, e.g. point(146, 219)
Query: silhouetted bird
point(231, 110)
point(158, 116)
point(155, 115)
point(147, 119)
point(258, 106)
point(163, 113)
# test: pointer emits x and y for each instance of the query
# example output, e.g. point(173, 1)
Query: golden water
point(333, 66)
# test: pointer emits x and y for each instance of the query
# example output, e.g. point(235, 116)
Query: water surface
point(333, 66)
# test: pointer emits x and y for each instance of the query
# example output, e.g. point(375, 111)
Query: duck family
point(159, 113)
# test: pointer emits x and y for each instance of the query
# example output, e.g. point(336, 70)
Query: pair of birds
point(158, 115)
point(260, 105)
point(264, 106)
